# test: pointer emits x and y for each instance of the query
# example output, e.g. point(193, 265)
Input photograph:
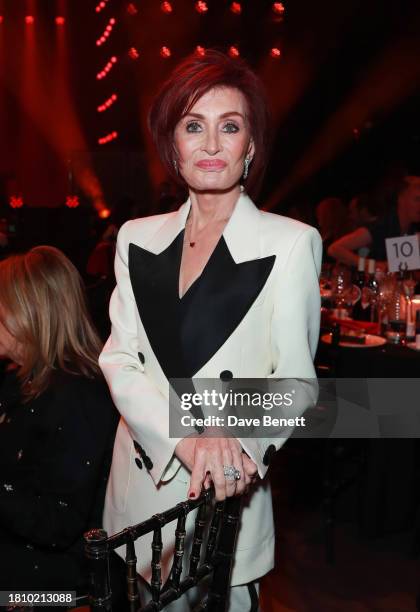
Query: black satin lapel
point(224, 294)
point(154, 279)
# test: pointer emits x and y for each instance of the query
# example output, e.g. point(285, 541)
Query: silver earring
point(247, 162)
point(176, 166)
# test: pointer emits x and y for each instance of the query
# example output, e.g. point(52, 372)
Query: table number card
point(403, 253)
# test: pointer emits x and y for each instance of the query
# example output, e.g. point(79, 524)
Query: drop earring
point(175, 166)
point(247, 162)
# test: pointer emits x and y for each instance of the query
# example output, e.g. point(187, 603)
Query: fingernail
point(192, 494)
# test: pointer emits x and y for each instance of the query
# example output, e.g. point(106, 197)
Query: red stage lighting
point(108, 138)
point(29, 19)
point(107, 32)
point(200, 50)
point(132, 9)
point(72, 201)
point(165, 52)
point(101, 6)
point(166, 7)
point(1, 18)
point(60, 20)
point(236, 8)
point(104, 213)
point(275, 52)
point(103, 107)
point(233, 51)
point(201, 7)
point(278, 8)
point(133, 53)
point(16, 201)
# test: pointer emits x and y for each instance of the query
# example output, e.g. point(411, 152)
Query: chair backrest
point(218, 557)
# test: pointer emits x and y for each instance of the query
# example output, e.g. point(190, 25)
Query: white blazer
point(255, 314)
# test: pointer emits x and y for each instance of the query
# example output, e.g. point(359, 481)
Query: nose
point(211, 144)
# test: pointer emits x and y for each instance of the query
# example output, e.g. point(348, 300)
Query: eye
point(230, 128)
point(193, 126)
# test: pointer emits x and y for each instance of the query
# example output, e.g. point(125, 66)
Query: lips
point(211, 164)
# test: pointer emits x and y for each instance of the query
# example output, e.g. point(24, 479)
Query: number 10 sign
point(403, 253)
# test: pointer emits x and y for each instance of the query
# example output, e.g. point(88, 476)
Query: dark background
point(344, 96)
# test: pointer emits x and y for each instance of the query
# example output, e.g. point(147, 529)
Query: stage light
point(200, 50)
point(165, 52)
point(275, 52)
point(166, 7)
point(233, 51)
point(108, 138)
point(201, 7)
point(60, 20)
point(109, 102)
point(133, 53)
point(107, 68)
point(132, 9)
point(16, 201)
point(107, 32)
point(101, 6)
point(278, 8)
point(1, 19)
point(104, 213)
point(236, 8)
point(72, 201)
point(29, 19)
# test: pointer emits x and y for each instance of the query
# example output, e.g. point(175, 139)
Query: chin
point(215, 183)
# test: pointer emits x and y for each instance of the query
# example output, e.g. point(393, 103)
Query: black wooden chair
point(217, 562)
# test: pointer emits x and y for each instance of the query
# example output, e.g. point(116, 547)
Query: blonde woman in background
point(57, 424)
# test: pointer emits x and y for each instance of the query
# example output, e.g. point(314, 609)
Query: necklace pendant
point(192, 244)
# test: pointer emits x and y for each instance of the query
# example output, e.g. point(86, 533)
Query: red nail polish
point(192, 494)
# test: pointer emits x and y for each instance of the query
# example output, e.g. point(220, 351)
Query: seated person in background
point(57, 424)
point(360, 211)
point(332, 219)
point(404, 219)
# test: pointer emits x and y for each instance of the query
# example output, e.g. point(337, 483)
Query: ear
point(251, 149)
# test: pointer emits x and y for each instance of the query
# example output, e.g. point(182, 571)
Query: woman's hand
point(205, 458)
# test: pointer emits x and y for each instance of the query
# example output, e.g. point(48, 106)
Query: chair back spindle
point(97, 553)
point(219, 554)
point(131, 562)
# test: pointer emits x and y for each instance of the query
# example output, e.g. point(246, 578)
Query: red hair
point(190, 80)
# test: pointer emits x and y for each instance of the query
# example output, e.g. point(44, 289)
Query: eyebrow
point(228, 114)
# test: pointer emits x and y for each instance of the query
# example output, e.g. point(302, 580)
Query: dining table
point(390, 499)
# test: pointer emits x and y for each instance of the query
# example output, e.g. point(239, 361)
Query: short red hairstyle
point(190, 80)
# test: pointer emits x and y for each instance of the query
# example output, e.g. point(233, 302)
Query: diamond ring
point(231, 473)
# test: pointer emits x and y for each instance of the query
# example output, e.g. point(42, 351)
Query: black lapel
point(218, 302)
point(154, 279)
point(185, 334)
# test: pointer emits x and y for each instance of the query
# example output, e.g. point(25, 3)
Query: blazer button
point(147, 462)
point(138, 463)
point(268, 455)
point(226, 375)
point(141, 357)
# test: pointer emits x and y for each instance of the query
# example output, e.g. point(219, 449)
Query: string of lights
point(110, 101)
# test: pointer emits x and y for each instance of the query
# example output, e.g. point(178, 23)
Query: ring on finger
point(231, 473)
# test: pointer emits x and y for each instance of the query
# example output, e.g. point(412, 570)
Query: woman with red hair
point(217, 289)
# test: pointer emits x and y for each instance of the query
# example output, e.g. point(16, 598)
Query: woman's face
point(212, 141)
point(10, 348)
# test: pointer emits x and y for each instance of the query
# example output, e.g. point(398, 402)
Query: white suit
point(254, 314)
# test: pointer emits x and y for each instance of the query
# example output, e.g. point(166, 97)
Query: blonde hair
point(43, 306)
